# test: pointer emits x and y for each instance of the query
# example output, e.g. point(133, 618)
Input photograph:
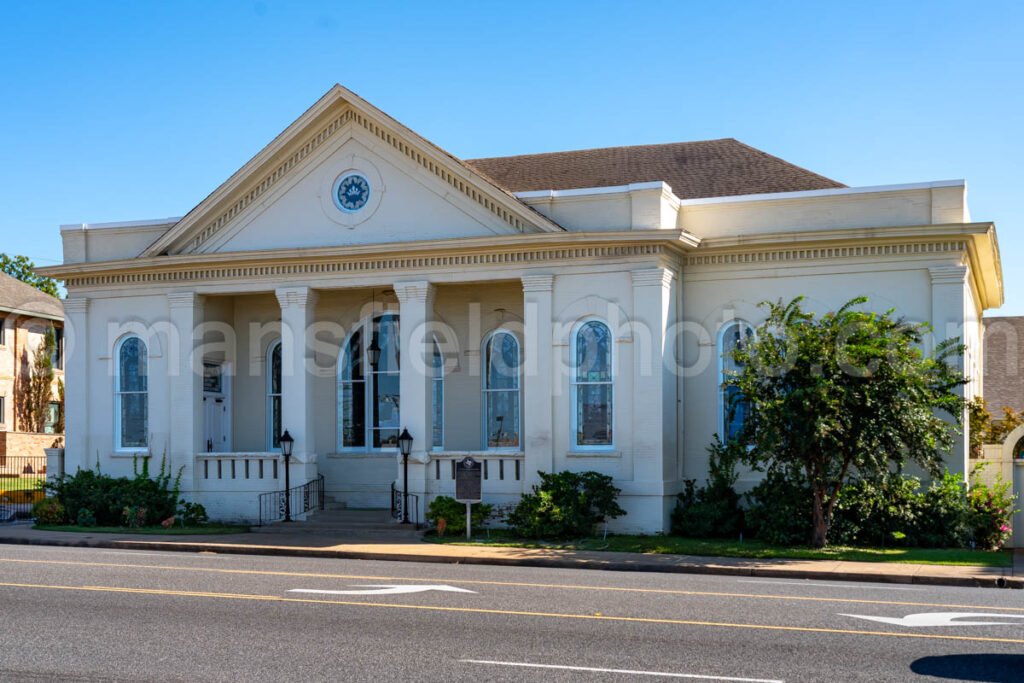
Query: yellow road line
point(519, 613)
point(656, 591)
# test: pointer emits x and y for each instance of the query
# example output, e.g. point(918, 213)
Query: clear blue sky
point(128, 110)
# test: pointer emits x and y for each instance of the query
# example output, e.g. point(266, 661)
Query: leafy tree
point(21, 268)
point(38, 388)
point(848, 392)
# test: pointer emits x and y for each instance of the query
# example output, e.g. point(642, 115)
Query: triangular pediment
point(286, 196)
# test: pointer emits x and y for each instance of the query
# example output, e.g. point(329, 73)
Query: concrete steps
point(342, 523)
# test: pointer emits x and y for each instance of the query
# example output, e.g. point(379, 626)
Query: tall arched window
point(131, 395)
point(274, 396)
point(733, 408)
point(501, 390)
point(368, 394)
point(437, 397)
point(593, 395)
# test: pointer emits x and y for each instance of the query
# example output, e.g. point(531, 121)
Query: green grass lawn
point(29, 483)
point(154, 530)
point(672, 545)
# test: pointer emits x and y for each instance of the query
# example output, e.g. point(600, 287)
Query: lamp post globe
point(287, 442)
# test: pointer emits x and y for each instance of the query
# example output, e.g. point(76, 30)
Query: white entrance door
point(216, 409)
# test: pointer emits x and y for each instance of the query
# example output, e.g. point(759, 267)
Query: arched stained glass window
point(593, 392)
point(733, 407)
point(132, 395)
point(501, 390)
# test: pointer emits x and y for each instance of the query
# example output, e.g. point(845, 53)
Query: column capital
point(76, 304)
point(182, 299)
point(541, 282)
point(298, 297)
point(420, 291)
point(652, 277)
point(948, 275)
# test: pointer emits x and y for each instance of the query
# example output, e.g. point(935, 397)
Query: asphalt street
point(75, 614)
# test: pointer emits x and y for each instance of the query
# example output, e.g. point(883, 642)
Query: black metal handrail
point(397, 501)
point(302, 499)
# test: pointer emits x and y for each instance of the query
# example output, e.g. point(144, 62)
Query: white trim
point(433, 408)
point(268, 384)
point(484, 390)
point(118, 346)
point(576, 448)
point(583, 191)
point(831, 192)
point(149, 223)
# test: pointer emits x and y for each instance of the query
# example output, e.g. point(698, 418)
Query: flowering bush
point(991, 511)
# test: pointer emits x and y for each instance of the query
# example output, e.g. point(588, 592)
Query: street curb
point(545, 562)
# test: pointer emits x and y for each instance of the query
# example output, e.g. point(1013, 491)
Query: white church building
point(540, 312)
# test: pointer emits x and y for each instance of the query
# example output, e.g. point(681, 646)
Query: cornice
point(823, 252)
point(76, 304)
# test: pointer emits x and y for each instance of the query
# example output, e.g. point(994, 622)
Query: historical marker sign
point(469, 476)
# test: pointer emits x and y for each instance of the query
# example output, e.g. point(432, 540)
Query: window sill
point(609, 453)
point(132, 454)
point(364, 455)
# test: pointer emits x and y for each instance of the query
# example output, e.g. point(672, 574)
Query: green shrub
point(49, 511)
point(991, 511)
point(945, 517)
point(106, 497)
point(192, 514)
point(780, 508)
point(85, 518)
point(566, 505)
point(454, 514)
point(877, 512)
point(713, 510)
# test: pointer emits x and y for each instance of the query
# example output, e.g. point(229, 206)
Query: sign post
point(469, 476)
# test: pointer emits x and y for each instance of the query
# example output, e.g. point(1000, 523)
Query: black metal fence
point(399, 501)
point(300, 500)
point(21, 485)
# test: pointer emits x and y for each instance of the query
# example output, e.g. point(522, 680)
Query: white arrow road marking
point(386, 589)
point(941, 619)
point(627, 672)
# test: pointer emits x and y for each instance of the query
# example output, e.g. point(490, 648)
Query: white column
point(186, 385)
point(297, 314)
point(416, 310)
point(651, 308)
point(537, 377)
point(76, 385)
point(949, 310)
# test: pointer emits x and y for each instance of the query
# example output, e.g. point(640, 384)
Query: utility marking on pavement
point(385, 590)
point(519, 613)
point(515, 584)
point(942, 619)
point(629, 672)
point(817, 584)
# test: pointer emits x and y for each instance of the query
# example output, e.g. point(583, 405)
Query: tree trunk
point(819, 532)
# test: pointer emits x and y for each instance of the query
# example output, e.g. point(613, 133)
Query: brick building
point(26, 314)
point(1004, 369)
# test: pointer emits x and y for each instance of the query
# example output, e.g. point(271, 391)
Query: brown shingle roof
point(16, 296)
point(708, 168)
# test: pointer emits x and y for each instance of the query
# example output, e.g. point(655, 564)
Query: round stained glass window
point(351, 192)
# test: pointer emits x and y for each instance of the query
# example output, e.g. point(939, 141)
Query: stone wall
point(17, 447)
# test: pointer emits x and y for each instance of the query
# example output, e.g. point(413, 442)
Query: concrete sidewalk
point(284, 543)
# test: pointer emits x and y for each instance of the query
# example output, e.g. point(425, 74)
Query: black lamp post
point(405, 446)
point(286, 450)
